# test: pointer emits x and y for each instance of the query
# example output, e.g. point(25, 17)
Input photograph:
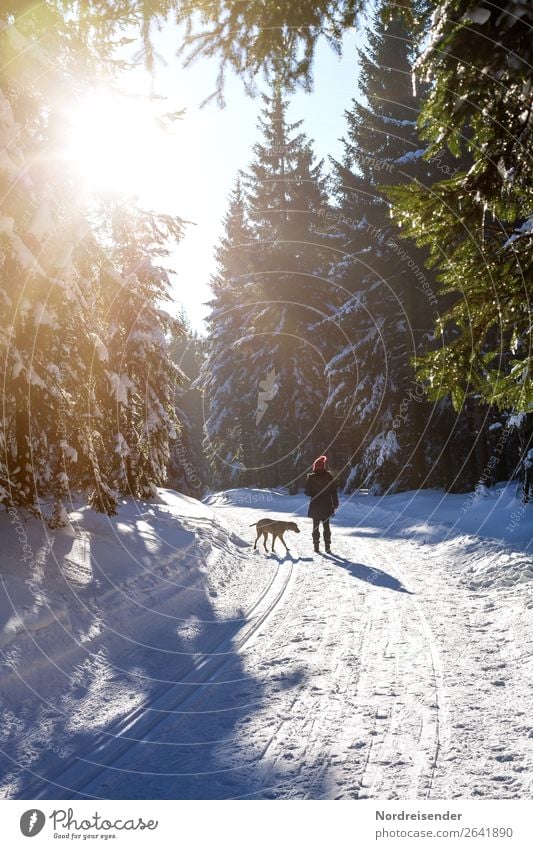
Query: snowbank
point(489, 531)
point(113, 560)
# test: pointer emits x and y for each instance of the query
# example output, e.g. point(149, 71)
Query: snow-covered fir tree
point(47, 323)
point(390, 299)
point(140, 375)
point(88, 385)
point(223, 377)
point(264, 376)
point(476, 223)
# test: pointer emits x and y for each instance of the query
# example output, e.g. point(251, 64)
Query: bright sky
point(191, 171)
point(212, 145)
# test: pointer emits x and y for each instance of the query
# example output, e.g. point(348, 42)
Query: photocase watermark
point(251, 497)
point(64, 824)
point(11, 720)
point(35, 563)
point(57, 750)
point(379, 233)
point(339, 218)
point(32, 822)
point(417, 394)
point(488, 471)
point(27, 551)
point(65, 819)
point(180, 452)
point(266, 394)
point(516, 518)
point(391, 165)
point(278, 149)
point(415, 268)
point(443, 166)
point(378, 164)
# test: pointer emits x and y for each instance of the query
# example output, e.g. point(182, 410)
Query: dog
point(274, 527)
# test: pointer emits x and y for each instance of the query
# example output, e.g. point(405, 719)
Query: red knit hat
point(320, 464)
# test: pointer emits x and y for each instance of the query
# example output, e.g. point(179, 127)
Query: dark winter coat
point(322, 489)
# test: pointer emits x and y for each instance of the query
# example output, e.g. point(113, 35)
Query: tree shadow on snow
point(369, 574)
point(149, 697)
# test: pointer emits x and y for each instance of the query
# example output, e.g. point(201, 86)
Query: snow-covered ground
point(155, 655)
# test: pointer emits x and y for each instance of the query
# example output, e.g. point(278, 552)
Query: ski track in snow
point(377, 672)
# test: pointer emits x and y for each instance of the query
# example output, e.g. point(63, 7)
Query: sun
point(116, 144)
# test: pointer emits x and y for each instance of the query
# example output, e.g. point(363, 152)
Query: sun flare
point(116, 144)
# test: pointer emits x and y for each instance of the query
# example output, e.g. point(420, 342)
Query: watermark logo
point(65, 820)
point(267, 391)
point(32, 822)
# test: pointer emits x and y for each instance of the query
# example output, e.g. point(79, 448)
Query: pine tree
point(223, 375)
point(47, 323)
point(476, 225)
point(63, 361)
point(389, 299)
point(141, 376)
point(287, 197)
point(265, 376)
point(277, 38)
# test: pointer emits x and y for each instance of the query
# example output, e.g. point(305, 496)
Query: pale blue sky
point(212, 144)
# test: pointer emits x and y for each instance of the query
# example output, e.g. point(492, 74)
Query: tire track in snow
point(330, 715)
point(305, 734)
point(377, 677)
point(440, 713)
point(295, 736)
point(426, 754)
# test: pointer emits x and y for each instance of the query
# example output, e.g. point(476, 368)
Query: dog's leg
point(284, 543)
point(265, 540)
point(255, 543)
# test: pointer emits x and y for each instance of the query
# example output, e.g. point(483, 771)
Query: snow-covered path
point(381, 671)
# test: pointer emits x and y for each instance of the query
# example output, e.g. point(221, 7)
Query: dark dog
point(276, 528)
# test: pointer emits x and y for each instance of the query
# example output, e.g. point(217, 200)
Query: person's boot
point(327, 544)
point(316, 539)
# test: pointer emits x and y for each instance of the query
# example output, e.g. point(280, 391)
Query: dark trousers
point(326, 531)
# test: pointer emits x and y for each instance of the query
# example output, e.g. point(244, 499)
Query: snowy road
point(381, 671)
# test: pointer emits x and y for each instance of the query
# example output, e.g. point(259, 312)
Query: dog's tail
point(252, 525)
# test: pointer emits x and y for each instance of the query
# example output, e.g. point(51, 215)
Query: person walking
point(320, 486)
